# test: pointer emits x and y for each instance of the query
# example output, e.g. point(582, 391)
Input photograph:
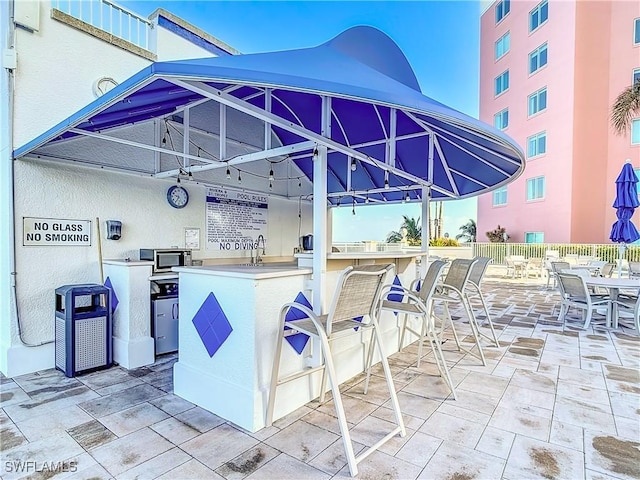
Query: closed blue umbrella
point(623, 231)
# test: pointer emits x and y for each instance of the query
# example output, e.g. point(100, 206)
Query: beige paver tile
point(453, 429)
point(218, 445)
point(589, 415)
point(567, 435)
point(247, 463)
point(302, 440)
point(174, 430)
point(191, 469)
point(419, 449)
point(285, 467)
point(156, 466)
point(612, 455)
point(132, 419)
point(522, 422)
point(496, 442)
point(530, 458)
point(454, 461)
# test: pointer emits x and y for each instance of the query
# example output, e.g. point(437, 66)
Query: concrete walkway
point(553, 402)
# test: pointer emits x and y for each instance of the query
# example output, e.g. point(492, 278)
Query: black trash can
point(83, 330)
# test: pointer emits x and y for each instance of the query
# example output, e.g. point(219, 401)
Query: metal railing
point(497, 251)
point(109, 17)
point(354, 247)
point(606, 251)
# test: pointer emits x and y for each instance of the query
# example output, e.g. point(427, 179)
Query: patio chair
point(356, 297)
point(574, 293)
point(473, 290)
point(515, 266)
point(452, 291)
point(634, 269)
point(534, 267)
point(628, 302)
point(553, 272)
point(607, 269)
point(420, 304)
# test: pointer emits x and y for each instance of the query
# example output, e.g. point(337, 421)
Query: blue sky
point(439, 38)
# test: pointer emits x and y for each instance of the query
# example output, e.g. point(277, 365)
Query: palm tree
point(413, 232)
point(469, 231)
point(626, 106)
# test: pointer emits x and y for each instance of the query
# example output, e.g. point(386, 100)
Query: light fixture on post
point(353, 164)
point(386, 179)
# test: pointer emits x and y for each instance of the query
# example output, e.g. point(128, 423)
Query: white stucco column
point(6, 193)
point(319, 229)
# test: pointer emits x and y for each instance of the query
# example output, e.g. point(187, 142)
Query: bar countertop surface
point(251, 271)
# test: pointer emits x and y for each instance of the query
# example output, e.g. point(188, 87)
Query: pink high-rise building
point(549, 72)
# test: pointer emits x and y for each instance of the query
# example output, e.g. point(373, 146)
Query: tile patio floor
point(553, 402)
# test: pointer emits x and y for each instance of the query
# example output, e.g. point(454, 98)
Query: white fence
point(497, 251)
point(109, 17)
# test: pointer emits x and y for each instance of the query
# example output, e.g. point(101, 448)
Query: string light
point(353, 206)
point(386, 180)
point(366, 200)
point(353, 164)
point(270, 185)
point(228, 173)
point(299, 183)
point(190, 175)
point(178, 179)
point(407, 198)
point(239, 178)
point(271, 175)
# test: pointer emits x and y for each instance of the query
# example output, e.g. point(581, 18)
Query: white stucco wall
point(57, 67)
point(52, 190)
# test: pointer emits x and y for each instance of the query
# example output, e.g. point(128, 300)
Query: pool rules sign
point(235, 219)
point(55, 232)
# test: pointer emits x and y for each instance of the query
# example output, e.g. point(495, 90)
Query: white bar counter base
point(234, 383)
point(133, 345)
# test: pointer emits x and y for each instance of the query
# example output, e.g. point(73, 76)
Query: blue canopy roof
point(356, 94)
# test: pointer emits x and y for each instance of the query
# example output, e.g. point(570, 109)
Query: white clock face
point(177, 196)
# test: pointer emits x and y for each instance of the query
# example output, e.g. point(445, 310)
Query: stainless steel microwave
point(164, 259)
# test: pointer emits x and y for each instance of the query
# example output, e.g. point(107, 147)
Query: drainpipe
point(8, 52)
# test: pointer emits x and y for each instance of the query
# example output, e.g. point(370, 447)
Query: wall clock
point(177, 196)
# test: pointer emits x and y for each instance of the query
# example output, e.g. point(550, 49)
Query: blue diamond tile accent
point(299, 340)
point(212, 324)
point(114, 297)
point(396, 297)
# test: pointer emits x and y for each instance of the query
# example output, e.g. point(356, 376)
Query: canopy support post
point(319, 228)
point(426, 196)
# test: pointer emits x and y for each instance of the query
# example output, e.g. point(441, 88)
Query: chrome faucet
point(258, 255)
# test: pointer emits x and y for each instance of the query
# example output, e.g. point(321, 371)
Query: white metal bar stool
point(356, 296)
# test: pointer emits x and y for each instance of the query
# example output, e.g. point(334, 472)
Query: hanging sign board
point(55, 232)
point(234, 219)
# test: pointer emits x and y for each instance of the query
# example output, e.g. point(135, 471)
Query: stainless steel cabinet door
point(165, 325)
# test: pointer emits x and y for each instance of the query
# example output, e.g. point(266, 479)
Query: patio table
point(614, 285)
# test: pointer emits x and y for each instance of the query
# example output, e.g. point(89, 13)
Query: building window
point(636, 76)
point(502, 8)
point(538, 58)
point(534, 237)
point(635, 131)
point(501, 82)
point(538, 101)
point(535, 188)
point(537, 144)
point(636, 31)
point(502, 45)
point(538, 15)
point(501, 119)
point(500, 196)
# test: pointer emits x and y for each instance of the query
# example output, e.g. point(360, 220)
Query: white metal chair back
point(479, 269)
point(607, 269)
point(430, 280)
point(458, 273)
point(573, 285)
point(357, 293)
point(557, 266)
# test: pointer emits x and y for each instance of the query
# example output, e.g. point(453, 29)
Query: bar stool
point(356, 298)
point(420, 304)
